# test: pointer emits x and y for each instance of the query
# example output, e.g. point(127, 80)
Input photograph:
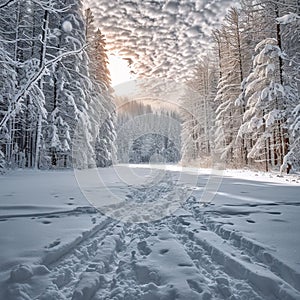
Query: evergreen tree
point(102, 107)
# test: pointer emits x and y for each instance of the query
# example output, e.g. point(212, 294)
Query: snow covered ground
point(155, 241)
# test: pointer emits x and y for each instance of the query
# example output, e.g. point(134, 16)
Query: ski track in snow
point(187, 255)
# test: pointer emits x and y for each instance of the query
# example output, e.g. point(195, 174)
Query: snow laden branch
point(9, 2)
point(43, 4)
point(13, 108)
point(52, 6)
point(288, 18)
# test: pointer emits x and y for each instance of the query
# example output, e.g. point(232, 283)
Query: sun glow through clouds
point(119, 70)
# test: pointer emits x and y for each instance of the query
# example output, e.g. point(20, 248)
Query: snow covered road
point(244, 245)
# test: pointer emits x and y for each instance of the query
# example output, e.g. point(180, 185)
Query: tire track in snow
point(69, 271)
point(116, 263)
point(75, 211)
point(119, 281)
point(236, 261)
point(153, 265)
point(223, 285)
point(246, 276)
point(101, 266)
point(219, 283)
point(145, 279)
point(256, 252)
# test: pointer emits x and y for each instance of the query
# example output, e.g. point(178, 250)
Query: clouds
point(163, 38)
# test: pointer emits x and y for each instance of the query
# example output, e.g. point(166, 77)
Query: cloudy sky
point(160, 38)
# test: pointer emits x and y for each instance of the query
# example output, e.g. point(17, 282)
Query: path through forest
point(244, 245)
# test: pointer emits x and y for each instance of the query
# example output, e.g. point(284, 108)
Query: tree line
point(147, 134)
point(245, 93)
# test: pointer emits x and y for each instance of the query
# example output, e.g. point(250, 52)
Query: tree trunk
point(42, 62)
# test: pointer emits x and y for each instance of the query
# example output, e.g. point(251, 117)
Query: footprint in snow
point(53, 244)
point(279, 220)
point(143, 248)
point(195, 286)
point(163, 251)
point(250, 221)
point(46, 222)
point(185, 265)
point(184, 223)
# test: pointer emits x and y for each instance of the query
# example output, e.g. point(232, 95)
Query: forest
point(179, 182)
point(248, 110)
point(54, 79)
point(56, 89)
